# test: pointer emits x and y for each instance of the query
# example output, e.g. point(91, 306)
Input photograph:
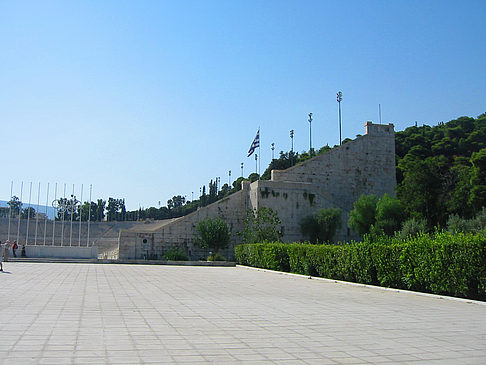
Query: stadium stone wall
point(336, 178)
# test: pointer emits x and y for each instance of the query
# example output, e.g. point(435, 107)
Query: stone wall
point(336, 178)
point(180, 232)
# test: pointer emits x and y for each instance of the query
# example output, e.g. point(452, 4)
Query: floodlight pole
point(339, 99)
point(273, 149)
point(310, 133)
point(292, 148)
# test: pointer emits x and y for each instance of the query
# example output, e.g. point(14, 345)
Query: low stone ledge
point(174, 263)
point(128, 262)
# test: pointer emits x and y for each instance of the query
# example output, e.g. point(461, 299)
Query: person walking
point(14, 248)
point(6, 248)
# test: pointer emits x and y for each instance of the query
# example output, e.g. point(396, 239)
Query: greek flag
point(255, 144)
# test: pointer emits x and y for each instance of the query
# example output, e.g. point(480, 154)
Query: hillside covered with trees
point(441, 170)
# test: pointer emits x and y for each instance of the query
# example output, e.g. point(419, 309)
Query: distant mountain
point(51, 212)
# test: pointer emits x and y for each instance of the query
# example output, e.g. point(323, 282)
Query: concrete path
point(133, 314)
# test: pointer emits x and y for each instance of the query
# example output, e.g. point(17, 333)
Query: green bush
point(212, 233)
point(412, 227)
point(443, 263)
point(216, 257)
point(175, 255)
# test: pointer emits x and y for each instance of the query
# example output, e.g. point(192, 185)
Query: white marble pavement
point(57, 313)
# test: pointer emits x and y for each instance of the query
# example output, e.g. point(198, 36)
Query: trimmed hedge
point(444, 263)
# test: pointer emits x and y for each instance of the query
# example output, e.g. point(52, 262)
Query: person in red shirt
point(14, 248)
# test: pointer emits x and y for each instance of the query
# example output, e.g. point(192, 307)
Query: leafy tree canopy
point(212, 234)
point(322, 226)
point(262, 225)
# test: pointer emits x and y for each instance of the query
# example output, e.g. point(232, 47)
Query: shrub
point(322, 226)
point(216, 257)
point(390, 214)
point(412, 227)
point(456, 224)
point(329, 221)
point(445, 263)
point(173, 254)
point(212, 234)
point(261, 225)
point(363, 214)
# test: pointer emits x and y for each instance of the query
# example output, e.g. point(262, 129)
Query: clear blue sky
point(150, 99)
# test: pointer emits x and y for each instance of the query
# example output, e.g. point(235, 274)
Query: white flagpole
point(37, 213)
point(72, 214)
point(63, 216)
point(20, 210)
point(10, 211)
point(259, 151)
point(80, 215)
point(28, 216)
point(89, 212)
point(54, 222)
point(45, 221)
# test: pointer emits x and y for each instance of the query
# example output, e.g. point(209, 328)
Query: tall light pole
point(310, 133)
point(229, 178)
point(273, 149)
point(292, 148)
point(339, 99)
point(242, 169)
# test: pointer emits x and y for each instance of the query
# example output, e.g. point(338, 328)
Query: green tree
point(253, 177)
point(100, 210)
point(204, 198)
point(329, 220)
point(237, 183)
point(363, 215)
point(322, 226)
point(213, 191)
point(413, 227)
point(176, 202)
point(422, 189)
point(15, 206)
point(66, 206)
point(116, 211)
point(212, 234)
point(261, 226)
point(28, 212)
point(112, 209)
point(225, 191)
point(309, 227)
point(458, 200)
point(478, 180)
point(390, 215)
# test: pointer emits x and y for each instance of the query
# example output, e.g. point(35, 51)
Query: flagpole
point(20, 210)
point(37, 213)
point(28, 215)
point(55, 216)
point(259, 151)
point(47, 217)
point(10, 211)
